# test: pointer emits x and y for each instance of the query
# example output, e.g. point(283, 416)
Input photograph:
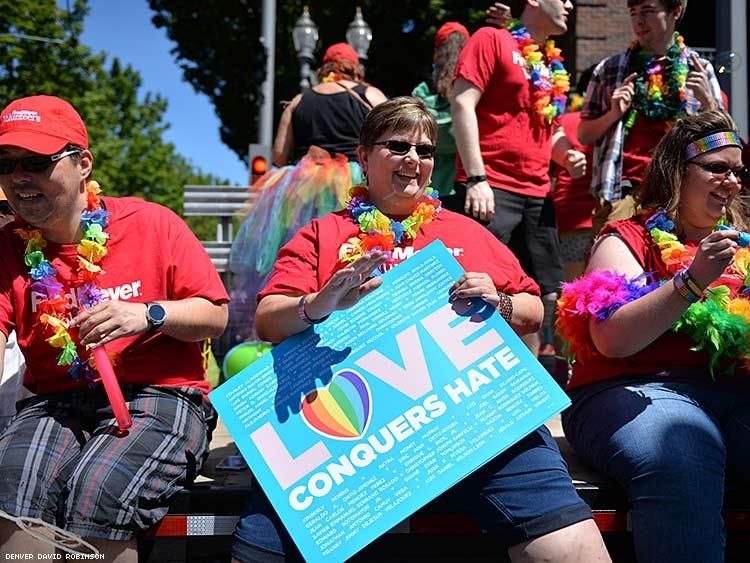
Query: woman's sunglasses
point(719, 169)
point(401, 148)
point(33, 163)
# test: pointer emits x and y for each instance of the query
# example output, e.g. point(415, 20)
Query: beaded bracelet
point(683, 289)
point(303, 314)
point(505, 307)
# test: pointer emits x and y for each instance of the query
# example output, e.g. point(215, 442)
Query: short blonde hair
point(397, 115)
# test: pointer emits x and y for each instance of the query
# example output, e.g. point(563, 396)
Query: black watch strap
point(471, 180)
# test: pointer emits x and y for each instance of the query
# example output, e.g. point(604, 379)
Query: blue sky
point(123, 29)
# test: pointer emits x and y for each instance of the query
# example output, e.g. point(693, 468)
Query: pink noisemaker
point(112, 388)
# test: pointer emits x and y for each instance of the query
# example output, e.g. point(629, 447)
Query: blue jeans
point(670, 445)
point(523, 493)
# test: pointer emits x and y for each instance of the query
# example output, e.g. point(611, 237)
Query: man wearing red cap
point(79, 270)
point(505, 106)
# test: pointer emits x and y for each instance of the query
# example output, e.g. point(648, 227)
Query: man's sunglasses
point(719, 169)
point(33, 163)
point(400, 148)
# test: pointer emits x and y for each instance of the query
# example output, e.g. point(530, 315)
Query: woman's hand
point(475, 284)
point(111, 320)
point(714, 254)
point(347, 286)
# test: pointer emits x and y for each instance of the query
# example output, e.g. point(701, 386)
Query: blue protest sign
point(354, 424)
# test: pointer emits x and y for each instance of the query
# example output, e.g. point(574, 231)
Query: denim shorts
point(523, 493)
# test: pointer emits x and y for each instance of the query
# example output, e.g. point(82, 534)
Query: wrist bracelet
point(690, 283)
point(683, 289)
point(505, 307)
point(303, 314)
point(471, 180)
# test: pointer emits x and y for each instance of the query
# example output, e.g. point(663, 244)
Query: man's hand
point(498, 15)
point(111, 320)
point(622, 97)
point(697, 81)
point(480, 201)
point(575, 163)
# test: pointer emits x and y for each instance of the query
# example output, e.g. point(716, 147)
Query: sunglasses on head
point(33, 163)
point(721, 169)
point(400, 148)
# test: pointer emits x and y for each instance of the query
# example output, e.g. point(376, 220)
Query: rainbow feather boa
point(550, 83)
point(52, 310)
point(719, 324)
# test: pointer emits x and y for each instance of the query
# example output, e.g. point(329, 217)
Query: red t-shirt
point(515, 143)
point(309, 260)
point(151, 256)
point(671, 351)
point(639, 146)
point(572, 198)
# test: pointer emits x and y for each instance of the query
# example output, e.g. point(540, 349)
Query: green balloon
point(241, 356)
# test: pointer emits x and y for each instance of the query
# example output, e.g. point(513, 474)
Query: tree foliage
point(215, 42)
point(125, 133)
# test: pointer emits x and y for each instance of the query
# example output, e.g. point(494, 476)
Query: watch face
point(156, 313)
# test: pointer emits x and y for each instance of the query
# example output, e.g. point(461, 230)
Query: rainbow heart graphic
point(342, 409)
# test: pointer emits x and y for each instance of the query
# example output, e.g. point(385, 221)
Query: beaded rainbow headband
point(712, 142)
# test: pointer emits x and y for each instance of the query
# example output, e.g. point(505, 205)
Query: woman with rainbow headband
point(525, 495)
point(659, 328)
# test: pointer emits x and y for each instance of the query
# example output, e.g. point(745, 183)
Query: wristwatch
point(471, 180)
point(156, 315)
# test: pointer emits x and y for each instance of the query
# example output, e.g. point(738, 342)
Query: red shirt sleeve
point(190, 272)
point(296, 269)
point(482, 252)
point(479, 57)
point(505, 269)
point(635, 237)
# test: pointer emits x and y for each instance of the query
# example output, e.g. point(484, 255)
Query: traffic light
point(259, 159)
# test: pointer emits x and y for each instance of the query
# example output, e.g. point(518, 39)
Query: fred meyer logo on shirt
point(398, 255)
point(121, 292)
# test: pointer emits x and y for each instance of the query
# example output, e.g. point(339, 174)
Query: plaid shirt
point(606, 179)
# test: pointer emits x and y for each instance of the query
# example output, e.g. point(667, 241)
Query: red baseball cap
point(340, 51)
point(42, 124)
point(447, 29)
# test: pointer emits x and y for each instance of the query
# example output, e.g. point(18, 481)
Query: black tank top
point(329, 121)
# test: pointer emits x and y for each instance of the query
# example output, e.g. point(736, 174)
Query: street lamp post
point(359, 36)
point(305, 38)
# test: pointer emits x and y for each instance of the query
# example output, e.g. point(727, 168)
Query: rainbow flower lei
point(549, 83)
point(719, 323)
point(660, 84)
point(52, 311)
point(379, 232)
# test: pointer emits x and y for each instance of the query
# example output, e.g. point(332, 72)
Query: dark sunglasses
point(720, 169)
point(33, 163)
point(400, 148)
